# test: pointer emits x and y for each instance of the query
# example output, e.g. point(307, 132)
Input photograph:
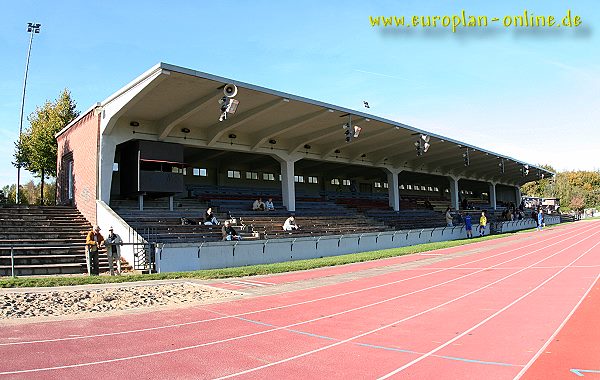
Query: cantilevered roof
point(176, 99)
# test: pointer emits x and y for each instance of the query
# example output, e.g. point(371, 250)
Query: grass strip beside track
point(251, 270)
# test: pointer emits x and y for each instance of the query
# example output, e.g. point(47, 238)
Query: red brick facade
point(79, 145)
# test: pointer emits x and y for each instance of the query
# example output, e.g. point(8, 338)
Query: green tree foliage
point(36, 150)
point(30, 193)
point(576, 189)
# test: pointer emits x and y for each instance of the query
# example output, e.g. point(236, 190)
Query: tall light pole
point(32, 28)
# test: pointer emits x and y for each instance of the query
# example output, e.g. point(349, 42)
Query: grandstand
point(156, 151)
point(43, 240)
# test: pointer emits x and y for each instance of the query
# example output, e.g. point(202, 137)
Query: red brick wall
point(81, 140)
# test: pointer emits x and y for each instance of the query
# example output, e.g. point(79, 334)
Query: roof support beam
point(365, 139)
point(333, 148)
point(392, 149)
point(117, 106)
point(409, 157)
point(223, 127)
point(169, 122)
point(286, 126)
point(315, 136)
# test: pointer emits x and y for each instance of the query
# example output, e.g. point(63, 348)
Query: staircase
point(45, 240)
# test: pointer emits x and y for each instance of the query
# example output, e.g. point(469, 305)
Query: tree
point(36, 150)
point(577, 203)
point(576, 189)
point(30, 193)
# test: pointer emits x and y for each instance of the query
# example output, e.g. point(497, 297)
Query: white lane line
point(288, 305)
point(393, 323)
point(246, 283)
point(295, 324)
point(260, 282)
point(493, 316)
point(560, 327)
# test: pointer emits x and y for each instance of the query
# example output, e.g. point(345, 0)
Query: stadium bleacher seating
point(158, 224)
point(318, 214)
point(45, 240)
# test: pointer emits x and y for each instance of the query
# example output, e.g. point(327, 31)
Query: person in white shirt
point(448, 217)
point(258, 205)
point(290, 224)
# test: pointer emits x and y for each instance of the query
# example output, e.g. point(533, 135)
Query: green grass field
point(252, 270)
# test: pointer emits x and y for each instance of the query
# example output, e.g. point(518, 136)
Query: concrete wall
point(526, 223)
point(184, 257)
point(80, 140)
point(107, 218)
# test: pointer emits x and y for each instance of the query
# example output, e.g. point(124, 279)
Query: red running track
point(487, 315)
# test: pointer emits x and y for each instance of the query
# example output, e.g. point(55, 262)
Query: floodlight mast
point(32, 28)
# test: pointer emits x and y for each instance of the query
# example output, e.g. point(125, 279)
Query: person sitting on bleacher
point(258, 205)
point(269, 205)
point(290, 224)
point(228, 232)
point(209, 218)
point(428, 205)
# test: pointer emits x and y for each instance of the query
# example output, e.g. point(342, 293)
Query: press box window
point(115, 167)
point(251, 175)
point(346, 182)
point(299, 178)
point(312, 180)
point(335, 181)
point(377, 184)
point(233, 174)
point(268, 177)
point(386, 185)
point(198, 172)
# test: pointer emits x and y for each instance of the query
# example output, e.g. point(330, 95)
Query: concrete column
point(141, 201)
point(493, 195)
point(105, 167)
point(288, 189)
point(517, 195)
point(170, 203)
point(454, 192)
point(393, 191)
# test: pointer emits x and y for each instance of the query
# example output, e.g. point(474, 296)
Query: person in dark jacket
point(209, 218)
point(228, 232)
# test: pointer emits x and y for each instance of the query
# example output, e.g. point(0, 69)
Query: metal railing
point(144, 250)
point(144, 253)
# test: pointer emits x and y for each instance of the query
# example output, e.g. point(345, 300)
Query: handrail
point(55, 246)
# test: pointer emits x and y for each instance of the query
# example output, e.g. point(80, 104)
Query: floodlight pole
point(32, 28)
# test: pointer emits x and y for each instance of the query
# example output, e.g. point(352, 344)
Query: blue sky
point(529, 93)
